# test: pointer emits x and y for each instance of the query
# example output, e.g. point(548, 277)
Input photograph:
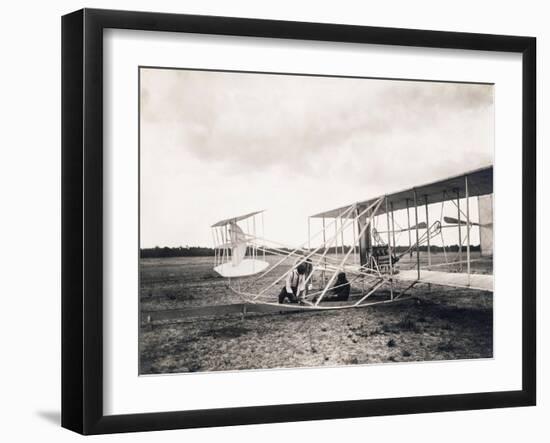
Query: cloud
point(304, 124)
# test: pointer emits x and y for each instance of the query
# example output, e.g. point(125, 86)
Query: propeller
point(454, 221)
point(421, 225)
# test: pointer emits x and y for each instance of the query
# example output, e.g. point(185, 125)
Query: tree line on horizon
point(200, 251)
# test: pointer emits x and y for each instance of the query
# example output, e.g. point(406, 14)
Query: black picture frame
point(82, 219)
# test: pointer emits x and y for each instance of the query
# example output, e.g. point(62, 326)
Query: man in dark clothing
point(340, 290)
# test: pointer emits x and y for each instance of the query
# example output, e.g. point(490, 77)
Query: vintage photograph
point(299, 221)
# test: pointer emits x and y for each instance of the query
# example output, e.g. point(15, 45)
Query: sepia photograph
point(301, 221)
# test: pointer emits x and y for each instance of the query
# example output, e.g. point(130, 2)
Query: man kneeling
point(295, 285)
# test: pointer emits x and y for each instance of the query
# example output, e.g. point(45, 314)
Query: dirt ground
point(433, 323)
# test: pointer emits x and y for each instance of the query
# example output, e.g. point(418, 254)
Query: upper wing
point(480, 182)
point(228, 221)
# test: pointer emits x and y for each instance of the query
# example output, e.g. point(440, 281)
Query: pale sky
point(215, 145)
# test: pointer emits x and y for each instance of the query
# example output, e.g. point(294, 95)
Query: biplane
point(382, 258)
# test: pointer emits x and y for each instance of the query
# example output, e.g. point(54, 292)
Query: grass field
point(434, 323)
